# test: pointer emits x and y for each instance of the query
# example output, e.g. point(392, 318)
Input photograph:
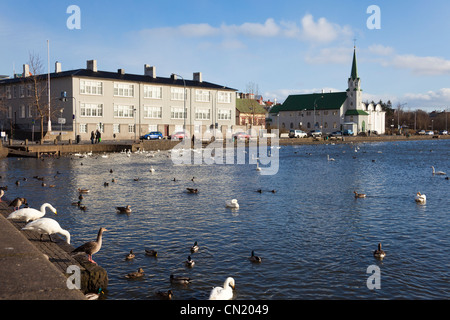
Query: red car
point(241, 135)
point(178, 135)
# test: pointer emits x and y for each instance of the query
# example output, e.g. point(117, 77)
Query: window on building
point(22, 112)
point(335, 113)
point(121, 111)
point(153, 112)
point(325, 112)
point(22, 91)
point(292, 125)
point(8, 92)
point(224, 114)
point(29, 91)
point(308, 125)
point(224, 97)
point(116, 128)
point(9, 112)
point(334, 125)
point(91, 87)
point(308, 113)
point(83, 128)
point(153, 92)
point(101, 127)
point(202, 96)
point(123, 90)
point(30, 111)
point(152, 127)
point(202, 114)
point(177, 113)
point(131, 128)
point(91, 110)
point(325, 125)
point(177, 94)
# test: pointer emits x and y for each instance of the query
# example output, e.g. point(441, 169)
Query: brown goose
point(17, 202)
point(91, 247)
point(126, 209)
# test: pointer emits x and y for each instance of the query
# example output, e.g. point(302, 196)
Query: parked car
point(297, 134)
point(178, 135)
point(315, 133)
point(348, 132)
point(335, 134)
point(152, 136)
point(430, 133)
point(421, 132)
point(241, 135)
point(443, 132)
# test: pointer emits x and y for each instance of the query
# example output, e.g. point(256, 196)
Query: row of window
point(126, 111)
point(309, 113)
point(309, 126)
point(22, 91)
point(91, 87)
point(130, 128)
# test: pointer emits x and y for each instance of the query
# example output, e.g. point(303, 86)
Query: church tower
point(354, 91)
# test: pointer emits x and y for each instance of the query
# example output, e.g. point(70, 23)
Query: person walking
point(92, 137)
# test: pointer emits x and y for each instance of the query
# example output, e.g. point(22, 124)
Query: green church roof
point(356, 113)
point(333, 100)
point(354, 74)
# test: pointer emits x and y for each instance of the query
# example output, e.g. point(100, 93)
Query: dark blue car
point(155, 135)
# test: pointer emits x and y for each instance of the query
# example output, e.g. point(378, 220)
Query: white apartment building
point(120, 105)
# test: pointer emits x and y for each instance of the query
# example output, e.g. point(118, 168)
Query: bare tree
point(37, 90)
point(252, 91)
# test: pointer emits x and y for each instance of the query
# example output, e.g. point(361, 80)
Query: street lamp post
point(315, 105)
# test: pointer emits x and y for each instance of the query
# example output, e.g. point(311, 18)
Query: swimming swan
point(225, 293)
point(439, 173)
point(30, 214)
point(47, 226)
point(232, 203)
point(420, 198)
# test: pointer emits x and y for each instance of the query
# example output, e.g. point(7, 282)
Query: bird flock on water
point(35, 221)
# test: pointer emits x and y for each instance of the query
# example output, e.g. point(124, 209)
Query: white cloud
point(311, 31)
point(322, 31)
point(381, 50)
point(421, 65)
point(330, 55)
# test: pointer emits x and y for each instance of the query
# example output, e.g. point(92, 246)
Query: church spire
point(354, 74)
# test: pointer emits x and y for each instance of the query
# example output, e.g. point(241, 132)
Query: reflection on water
point(315, 239)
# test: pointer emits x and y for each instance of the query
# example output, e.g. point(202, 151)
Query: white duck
point(30, 214)
point(232, 203)
point(225, 293)
point(420, 198)
point(47, 226)
point(439, 173)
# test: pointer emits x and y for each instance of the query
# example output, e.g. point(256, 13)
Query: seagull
point(92, 247)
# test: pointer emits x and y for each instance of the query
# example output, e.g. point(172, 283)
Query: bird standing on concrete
point(47, 226)
point(2, 193)
point(17, 202)
point(92, 247)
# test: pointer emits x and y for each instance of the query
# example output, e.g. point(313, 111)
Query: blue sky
point(284, 47)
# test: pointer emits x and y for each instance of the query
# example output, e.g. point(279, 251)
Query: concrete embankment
point(32, 269)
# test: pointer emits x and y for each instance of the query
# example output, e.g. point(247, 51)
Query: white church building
point(333, 111)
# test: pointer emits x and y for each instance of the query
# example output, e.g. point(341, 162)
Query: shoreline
point(24, 149)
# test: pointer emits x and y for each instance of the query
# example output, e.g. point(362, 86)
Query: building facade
point(328, 112)
point(119, 105)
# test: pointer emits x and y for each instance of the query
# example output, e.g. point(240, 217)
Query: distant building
point(250, 113)
point(120, 105)
point(330, 112)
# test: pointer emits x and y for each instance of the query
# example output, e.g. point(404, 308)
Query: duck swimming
point(126, 209)
point(133, 275)
point(254, 258)
point(180, 279)
point(359, 195)
point(189, 262)
point(379, 253)
point(194, 248)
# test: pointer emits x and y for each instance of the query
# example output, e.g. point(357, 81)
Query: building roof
point(321, 101)
point(356, 113)
point(249, 106)
point(86, 73)
point(354, 73)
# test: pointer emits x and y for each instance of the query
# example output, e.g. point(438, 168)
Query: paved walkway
point(25, 272)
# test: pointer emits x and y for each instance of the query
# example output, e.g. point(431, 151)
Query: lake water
point(315, 239)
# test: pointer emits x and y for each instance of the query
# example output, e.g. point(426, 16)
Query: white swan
point(420, 198)
point(225, 293)
point(152, 170)
point(47, 226)
point(439, 173)
point(258, 168)
point(2, 193)
point(30, 214)
point(329, 159)
point(232, 203)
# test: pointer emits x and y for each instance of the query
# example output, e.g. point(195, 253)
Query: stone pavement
point(26, 273)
